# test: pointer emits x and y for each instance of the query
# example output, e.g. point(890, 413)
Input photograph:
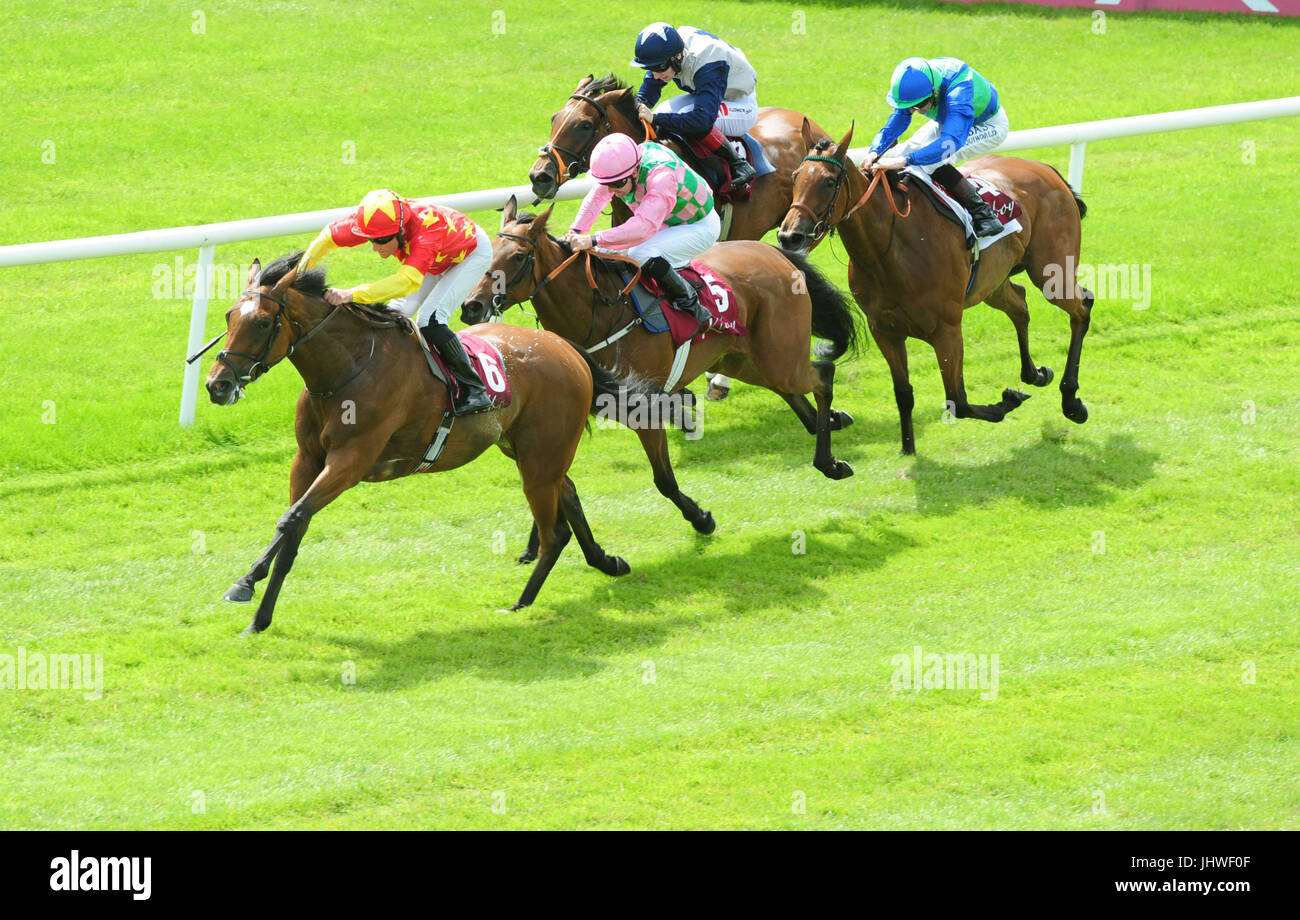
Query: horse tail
point(1083, 208)
point(833, 319)
point(609, 391)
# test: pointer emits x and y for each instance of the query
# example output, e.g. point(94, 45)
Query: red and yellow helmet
point(381, 213)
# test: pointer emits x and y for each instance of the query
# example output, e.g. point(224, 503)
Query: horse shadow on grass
point(1048, 474)
point(576, 637)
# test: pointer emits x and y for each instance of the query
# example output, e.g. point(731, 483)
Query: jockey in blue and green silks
point(966, 121)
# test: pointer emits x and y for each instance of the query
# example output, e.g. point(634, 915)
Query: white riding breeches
point(441, 295)
point(983, 139)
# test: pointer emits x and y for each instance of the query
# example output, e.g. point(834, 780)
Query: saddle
point(715, 170)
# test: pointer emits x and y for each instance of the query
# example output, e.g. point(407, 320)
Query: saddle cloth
point(486, 361)
point(714, 293)
point(1004, 206)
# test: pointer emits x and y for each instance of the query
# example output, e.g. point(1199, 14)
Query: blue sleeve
point(892, 131)
point(650, 90)
point(710, 85)
point(958, 119)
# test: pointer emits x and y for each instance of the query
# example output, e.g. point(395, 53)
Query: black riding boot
point(958, 186)
point(679, 291)
point(741, 171)
point(473, 396)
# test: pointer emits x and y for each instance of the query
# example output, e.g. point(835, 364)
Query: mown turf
point(1135, 576)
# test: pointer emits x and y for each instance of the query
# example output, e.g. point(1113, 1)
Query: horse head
point(512, 277)
point(817, 185)
point(596, 107)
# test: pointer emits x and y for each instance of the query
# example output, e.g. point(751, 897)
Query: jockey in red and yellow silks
point(442, 254)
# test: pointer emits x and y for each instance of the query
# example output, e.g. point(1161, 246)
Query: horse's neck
point(568, 306)
point(335, 351)
point(870, 230)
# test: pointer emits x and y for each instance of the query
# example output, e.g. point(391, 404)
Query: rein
point(528, 269)
point(822, 224)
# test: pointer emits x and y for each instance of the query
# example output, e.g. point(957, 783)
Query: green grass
point(726, 677)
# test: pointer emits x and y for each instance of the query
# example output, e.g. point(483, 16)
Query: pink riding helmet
point(615, 157)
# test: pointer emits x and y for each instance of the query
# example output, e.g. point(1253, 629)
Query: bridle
point(822, 223)
point(526, 270)
point(578, 161)
point(257, 362)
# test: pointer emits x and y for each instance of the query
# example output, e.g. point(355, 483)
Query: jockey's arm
point(405, 280)
point(323, 243)
point(710, 86)
point(597, 197)
point(894, 127)
point(650, 90)
point(650, 214)
point(957, 123)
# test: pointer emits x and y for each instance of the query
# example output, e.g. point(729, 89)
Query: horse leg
point(1010, 299)
point(949, 349)
point(529, 555)
point(301, 474)
point(1045, 272)
point(596, 557)
point(824, 391)
point(543, 494)
point(808, 415)
point(654, 441)
point(341, 471)
point(894, 348)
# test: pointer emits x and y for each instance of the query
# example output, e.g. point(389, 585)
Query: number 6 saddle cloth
point(484, 358)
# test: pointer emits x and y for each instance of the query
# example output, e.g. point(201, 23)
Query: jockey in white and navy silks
point(718, 83)
point(966, 121)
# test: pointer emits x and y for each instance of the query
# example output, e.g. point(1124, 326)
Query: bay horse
point(780, 299)
point(371, 408)
point(606, 105)
point(909, 267)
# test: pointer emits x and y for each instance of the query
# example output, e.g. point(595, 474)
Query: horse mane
point(313, 282)
point(625, 103)
point(826, 147)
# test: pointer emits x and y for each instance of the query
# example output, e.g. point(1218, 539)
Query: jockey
point(719, 83)
point(443, 255)
point(672, 214)
point(966, 121)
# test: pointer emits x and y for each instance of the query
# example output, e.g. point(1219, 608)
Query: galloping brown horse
point(781, 301)
point(909, 270)
point(371, 408)
point(608, 106)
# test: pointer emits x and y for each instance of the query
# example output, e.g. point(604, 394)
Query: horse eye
point(263, 322)
point(828, 182)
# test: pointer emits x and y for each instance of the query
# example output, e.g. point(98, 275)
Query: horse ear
point(511, 209)
point(584, 81)
point(538, 226)
point(286, 282)
point(807, 134)
point(253, 271)
point(843, 149)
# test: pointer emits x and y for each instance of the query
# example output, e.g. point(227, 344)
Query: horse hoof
point(518, 605)
point(840, 420)
point(705, 524)
point(1012, 399)
point(616, 566)
point(1077, 413)
point(837, 470)
point(717, 393)
point(1041, 378)
point(238, 594)
point(252, 629)
point(527, 558)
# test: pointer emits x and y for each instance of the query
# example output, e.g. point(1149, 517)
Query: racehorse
point(607, 105)
point(779, 298)
point(371, 408)
point(909, 267)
